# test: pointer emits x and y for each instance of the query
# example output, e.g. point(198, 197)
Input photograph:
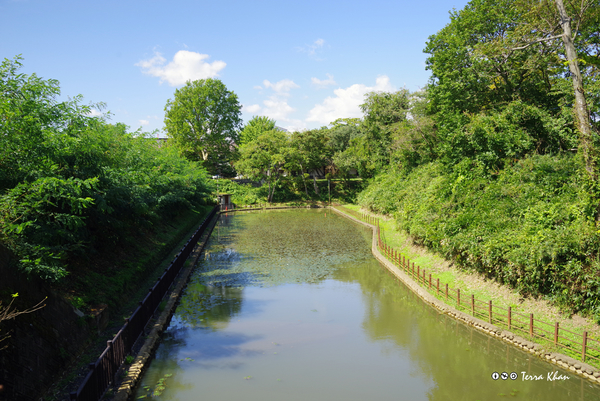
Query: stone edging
point(139, 365)
point(580, 368)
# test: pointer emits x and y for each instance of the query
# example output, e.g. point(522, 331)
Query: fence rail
point(580, 346)
point(102, 372)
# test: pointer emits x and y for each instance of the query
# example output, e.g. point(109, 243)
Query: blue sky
point(302, 63)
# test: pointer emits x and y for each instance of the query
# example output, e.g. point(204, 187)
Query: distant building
point(161, 141)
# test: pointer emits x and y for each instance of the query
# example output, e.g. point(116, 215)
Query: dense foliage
point(492, 170)
point(203, 120)
point(70, 183)
point(492, 164)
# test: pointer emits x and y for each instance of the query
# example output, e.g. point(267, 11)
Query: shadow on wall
point(42, 343)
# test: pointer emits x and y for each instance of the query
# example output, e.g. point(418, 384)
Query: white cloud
point(94, 113)
point(311, 49)
point(277, 108)
point(257, 87)
point(185, 66)
point(322, 83)
point(144, 122)
point(281, 87)
point(346, 103)
point(294, 125)
point(253, 108)
point(276, 105)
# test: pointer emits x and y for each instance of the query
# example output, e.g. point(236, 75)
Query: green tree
point(478, 80)
point(33, 123)
point(311, 152)
point(342, 131)
point(204, 119)
point(414, 141)
point(383, 113)
point(264, 159)
point(569, 33)
point(255, 127)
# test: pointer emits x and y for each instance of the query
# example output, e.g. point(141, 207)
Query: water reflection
point(291, 305)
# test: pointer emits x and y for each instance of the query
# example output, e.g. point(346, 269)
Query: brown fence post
point(584, 346)
point(556, 333)
point(438, 286)
point(531, 324)
point(490, 311)
point(458, 298)
point(429, 280)
point(446, 292)
point(509, 316)
point(473, 304)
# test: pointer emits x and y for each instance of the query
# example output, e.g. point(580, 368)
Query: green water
point(291, 305)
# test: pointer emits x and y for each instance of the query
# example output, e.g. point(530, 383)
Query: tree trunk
point(580, 107)
point(269, 187)
point(315, 185)
point(304, 181)
point(273, 190)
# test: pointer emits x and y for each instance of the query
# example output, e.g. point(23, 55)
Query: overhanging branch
point(537, 41)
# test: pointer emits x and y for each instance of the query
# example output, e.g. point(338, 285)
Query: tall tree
point(204, 119)
point(544, 42)
point(264, 158)
point(383, 113)
point(312, 153)
point(255, 127)
point(500, 67)
point(548, 23)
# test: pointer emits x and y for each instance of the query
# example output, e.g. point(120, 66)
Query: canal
point(291, 305)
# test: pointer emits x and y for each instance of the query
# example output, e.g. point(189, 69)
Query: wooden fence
point(577, 345)
point(102, 372)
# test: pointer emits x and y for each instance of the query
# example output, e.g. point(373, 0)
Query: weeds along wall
point(102, 372)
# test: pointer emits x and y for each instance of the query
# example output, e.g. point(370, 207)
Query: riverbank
point(474, 284)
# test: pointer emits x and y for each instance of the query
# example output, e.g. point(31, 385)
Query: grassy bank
point(115, 275)
point(529, 226)
point(148, 256)
point(483, 289)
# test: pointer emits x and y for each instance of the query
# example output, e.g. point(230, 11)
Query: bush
point(527, 225)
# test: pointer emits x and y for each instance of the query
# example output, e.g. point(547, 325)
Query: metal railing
point(102, 372)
